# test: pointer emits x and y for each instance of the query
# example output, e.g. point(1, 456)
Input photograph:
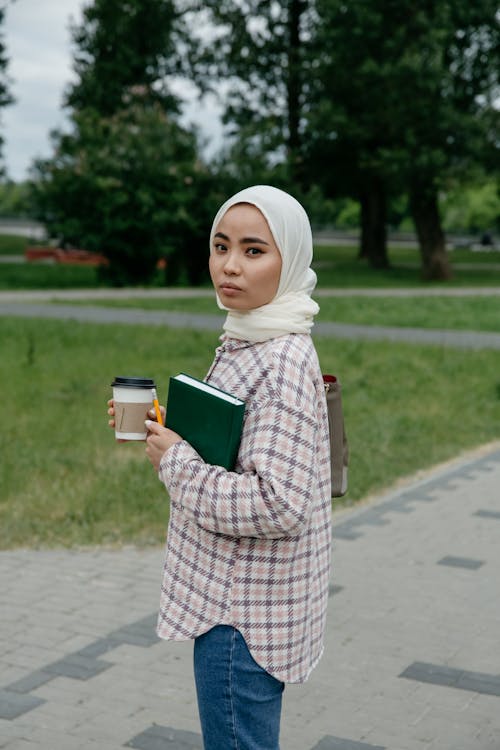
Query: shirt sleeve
point(272, 497)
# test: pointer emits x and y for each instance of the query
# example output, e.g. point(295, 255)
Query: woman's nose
point(231, 265)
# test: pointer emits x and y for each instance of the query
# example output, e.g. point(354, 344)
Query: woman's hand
point(111, 412)
point(151, 416)
point(151, 413)
point(158, 441)
point(111, 422)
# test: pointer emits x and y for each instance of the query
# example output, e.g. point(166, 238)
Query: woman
point(248, 552)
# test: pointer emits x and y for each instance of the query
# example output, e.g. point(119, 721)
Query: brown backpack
point(339, 447)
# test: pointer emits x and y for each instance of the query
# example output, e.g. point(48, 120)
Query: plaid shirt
point(251, 548)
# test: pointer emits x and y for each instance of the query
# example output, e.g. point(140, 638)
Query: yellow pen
point(157, 407)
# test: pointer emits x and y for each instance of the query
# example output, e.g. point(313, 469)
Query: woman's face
point(245, 263)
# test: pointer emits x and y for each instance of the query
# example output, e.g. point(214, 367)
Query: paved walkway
point(412, 659)
point(19, 307)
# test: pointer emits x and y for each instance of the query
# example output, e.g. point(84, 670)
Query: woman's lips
point(229, 288)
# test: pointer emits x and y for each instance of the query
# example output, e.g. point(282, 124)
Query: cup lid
point(122, 382)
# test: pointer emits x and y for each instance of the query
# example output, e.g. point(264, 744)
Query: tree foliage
point(256, 54)
point(128, 186)
point(127, 182)
point(124, 46)
point(362, 99)
point(473, 208)
point(331, 100)
point(403, 94)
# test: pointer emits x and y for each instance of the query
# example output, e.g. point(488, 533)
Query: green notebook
point(208, 418)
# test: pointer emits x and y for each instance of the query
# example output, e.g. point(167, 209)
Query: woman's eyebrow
point(247, 240)
point(244, 240)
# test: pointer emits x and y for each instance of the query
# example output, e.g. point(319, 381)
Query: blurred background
point(125, 123)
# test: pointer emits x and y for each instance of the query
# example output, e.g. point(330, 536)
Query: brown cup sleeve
point(130, 417)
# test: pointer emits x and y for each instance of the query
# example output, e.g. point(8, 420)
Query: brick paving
point(412, 659)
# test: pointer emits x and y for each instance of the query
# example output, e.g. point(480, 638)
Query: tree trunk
point(431, 239)
point(373, 225)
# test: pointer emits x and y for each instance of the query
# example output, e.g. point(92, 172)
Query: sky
point(38, 45)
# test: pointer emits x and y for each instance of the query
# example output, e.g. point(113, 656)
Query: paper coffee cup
point(133, 398)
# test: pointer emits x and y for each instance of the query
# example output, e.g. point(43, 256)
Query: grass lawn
point(12, 244)
point(339, 267)
point(461, 313)
point(46, 276)
point(65, 481)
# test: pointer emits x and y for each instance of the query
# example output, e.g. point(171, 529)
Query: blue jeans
point(238, 701)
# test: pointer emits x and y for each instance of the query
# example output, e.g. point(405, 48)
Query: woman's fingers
point(111, 412)
point(152, 414)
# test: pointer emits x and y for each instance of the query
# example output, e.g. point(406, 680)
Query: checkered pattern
point(251, 548)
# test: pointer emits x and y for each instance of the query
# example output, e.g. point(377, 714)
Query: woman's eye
point(254, 251)
point(220, 248)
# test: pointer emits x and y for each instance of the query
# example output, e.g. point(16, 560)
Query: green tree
point(257, 50)
point(127, 181)
point(363, 99)
point(349, 124)
point(291, 110)
point(124, 46)
point(472, 208)
point(128, 186)
point(402, 100)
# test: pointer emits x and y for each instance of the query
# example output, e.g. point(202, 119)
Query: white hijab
point(292, 310)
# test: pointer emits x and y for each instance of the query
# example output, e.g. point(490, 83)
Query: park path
point(34, 305)
point(411, 656)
